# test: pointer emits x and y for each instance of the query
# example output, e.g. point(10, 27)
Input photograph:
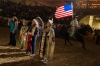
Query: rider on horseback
point(74, 27)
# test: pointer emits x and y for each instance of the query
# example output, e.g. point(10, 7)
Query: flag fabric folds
point(64, 11)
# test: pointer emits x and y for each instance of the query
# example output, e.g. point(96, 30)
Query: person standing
point(47, 43)
point(13, 30)
point(23, 34)
point(35, 32)
point(29, 42)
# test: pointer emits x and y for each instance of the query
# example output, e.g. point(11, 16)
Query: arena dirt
point(65, 55)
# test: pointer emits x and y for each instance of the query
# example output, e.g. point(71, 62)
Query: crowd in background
point(25, 11)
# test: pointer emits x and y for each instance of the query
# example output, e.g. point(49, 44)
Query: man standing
point(47, 43)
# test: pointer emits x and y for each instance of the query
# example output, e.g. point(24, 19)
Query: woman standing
point(47, 43)
point(13, 30)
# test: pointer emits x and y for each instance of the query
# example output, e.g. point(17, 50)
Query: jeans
point(34, 38)
point(12, 39)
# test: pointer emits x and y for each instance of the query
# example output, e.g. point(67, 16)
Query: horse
point(79, 34)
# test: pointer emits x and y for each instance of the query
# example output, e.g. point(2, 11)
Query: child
point(32, 37)
point(23, 34)
point(29, 42)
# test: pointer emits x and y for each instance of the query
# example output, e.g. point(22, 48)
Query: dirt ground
point(64, 55)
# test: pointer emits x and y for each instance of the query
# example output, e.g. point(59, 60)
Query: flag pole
point(72, 9)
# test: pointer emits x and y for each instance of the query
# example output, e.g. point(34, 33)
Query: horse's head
point(88, 29)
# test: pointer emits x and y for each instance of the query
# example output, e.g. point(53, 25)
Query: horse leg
point(80, 39)
point(67, 38)
point(69, 42)
point(65, 41)
point(94, 37)
point(83, 45)
point(97, 40)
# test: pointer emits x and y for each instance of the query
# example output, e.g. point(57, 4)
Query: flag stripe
point(63, 13)
point(68, 14)
point(62, 16)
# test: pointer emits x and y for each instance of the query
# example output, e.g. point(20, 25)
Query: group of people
point(28, 37)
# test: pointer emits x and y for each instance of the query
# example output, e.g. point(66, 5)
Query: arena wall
point(85, 20)
point(93, 23)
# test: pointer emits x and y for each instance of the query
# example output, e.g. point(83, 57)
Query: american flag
point(64, 11)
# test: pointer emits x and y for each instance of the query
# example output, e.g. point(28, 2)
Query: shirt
point(74, 23)
point(12, 26)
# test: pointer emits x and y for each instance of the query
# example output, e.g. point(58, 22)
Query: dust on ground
point(64, 55)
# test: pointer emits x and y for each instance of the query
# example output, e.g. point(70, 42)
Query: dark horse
point(79, 34)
